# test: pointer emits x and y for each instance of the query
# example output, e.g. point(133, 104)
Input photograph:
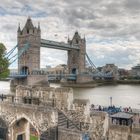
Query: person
point(121, 109)
point(100, 108)
point(129, 109)
point(92, 106)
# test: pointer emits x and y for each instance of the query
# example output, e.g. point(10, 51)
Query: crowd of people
point(110, 109)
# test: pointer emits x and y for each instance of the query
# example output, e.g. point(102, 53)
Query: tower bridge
point(29, 43)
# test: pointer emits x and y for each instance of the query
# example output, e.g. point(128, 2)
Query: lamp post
point(110, 101)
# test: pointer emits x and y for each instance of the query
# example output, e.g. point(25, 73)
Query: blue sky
point(111, 28)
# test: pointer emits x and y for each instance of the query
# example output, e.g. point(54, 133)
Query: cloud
point(132, 5)
point(108, 26)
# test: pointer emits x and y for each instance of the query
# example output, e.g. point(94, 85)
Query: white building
point(135, 72)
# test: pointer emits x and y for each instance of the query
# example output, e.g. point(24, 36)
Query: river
point(122, 95)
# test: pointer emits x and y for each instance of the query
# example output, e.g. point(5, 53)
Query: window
point(77, 41)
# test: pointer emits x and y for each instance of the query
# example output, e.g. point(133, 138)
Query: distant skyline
point(111, 28)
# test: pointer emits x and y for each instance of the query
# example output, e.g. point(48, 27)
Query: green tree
point(4, 63)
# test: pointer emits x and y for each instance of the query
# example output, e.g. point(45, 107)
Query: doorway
point(25, 70)
point(74, 71)
point(20, 137)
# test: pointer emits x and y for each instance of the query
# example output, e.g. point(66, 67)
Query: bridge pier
point(81, 78)
point(30, 80)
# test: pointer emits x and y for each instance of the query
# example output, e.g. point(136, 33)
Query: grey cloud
point(132, 4)
point(102, 25)
point(120, 57)
point(8, 27)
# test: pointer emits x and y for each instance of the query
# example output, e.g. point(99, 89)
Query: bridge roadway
point(58, 45)
point(65, 76)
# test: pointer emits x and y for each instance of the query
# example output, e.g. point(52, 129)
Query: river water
point(122, 95)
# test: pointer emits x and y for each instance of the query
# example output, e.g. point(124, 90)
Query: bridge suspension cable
point(26, 46)
point(8, 54)
point(97, 73)
point(90, 62)
point(12, 58)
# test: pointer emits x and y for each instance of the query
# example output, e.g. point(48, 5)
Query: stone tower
point(76, 58)
point(30, 59)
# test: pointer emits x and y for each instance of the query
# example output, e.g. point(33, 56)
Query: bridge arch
point(23, 116)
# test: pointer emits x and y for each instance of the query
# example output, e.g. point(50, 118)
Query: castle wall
point(117, 132)
point(136, 133)
point(136, 136)
point(60, 97)
point(66, 134)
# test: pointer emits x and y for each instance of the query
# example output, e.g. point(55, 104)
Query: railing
point(16, 74)
point(68, 120)
point(52, 77)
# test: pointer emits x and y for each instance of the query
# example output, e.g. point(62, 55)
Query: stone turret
point(76, 58)
point(29, 60)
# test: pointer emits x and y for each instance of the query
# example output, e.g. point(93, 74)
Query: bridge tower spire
point(30, 35)
point(76, 58)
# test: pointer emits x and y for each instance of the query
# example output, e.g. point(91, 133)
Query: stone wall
point(37, 79)
point(136, 133)
point(84, 78)
point(60, 97)
point(117, 132)
point(64, 97)
point(66, 134)
point(99, 125)
point(135, 136)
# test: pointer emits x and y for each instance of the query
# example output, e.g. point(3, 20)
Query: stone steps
point(49, 135)
point(64, 122)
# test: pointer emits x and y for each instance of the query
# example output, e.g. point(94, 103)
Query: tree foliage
point(4, 71)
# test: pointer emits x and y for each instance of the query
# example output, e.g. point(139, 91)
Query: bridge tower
point(76, 58)
point(30, 59)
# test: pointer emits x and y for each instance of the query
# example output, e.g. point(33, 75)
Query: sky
point(111, 27)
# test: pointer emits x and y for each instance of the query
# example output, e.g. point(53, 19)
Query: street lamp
point(110, 101)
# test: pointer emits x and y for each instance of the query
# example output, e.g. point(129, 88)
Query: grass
point(33, 138)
